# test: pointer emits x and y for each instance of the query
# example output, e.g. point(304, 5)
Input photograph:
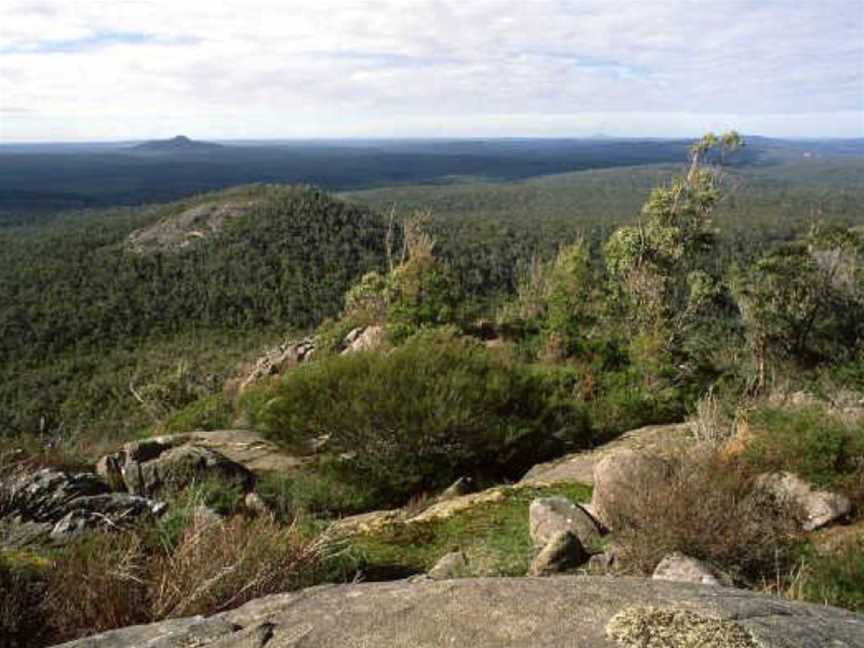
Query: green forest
point(515, 323)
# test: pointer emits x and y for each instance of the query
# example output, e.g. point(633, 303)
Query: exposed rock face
point(818, 508)
point(683, 569)
point(451, 565)
point(54, 506)
point(562, 553)
point(169, 464)
point(498, 613)
point(182, 230)
point(278, 359)
point(368, 339)
point(658, 440)
point(621, 474)
point(549, 516)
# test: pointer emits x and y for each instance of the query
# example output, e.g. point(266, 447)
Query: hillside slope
point(75, 292)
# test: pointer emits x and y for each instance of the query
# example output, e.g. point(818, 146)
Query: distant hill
point(178, 144)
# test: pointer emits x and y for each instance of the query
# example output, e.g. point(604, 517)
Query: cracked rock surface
point(565, 611)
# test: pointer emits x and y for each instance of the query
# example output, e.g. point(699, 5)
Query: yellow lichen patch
point(650, 627)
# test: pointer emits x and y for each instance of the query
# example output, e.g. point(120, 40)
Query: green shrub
point(438, 407)
point(835, 578)
point(808, 441)
point(320, 491)
point(210, 413)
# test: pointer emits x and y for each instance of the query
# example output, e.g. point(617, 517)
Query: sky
point(93, 70)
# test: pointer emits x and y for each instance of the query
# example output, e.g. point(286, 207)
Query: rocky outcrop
point(657, 440)
point(276, 360)
point(53, 507)
point(164, 464)
point(817, 508)
point(505, 613)
point(549, 516)
point(364, 339)
point(562, 552)
point(683, 569)
point(451, 565)
point(621, 474)
point(180, 231)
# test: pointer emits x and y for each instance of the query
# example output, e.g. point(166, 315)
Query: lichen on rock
point(651, 627)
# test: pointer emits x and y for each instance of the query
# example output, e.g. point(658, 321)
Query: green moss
point(493, 535)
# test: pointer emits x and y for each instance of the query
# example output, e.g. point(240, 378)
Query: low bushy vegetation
point(438, 407)
point(112, 580)
point(708, 508)
point(832, 578)
point(810, 441)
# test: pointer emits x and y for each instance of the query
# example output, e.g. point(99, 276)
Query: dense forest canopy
point(79, 300)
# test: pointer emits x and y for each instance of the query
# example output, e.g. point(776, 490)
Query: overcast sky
point(136, 69)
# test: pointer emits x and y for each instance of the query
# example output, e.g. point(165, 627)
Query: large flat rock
point(557, 612)
point(659, 440)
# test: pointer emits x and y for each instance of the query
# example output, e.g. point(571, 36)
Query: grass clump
point(711, 509)
point(493, 535)
point(436, 408)
point(115, 580)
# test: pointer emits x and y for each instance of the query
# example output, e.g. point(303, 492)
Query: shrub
point(97, 585)
point(835, 578)
point(436, 408)
point(210, 413)
point(21, 622)
point(321, 491)
point(709, 509)
point(115, 580)
point(810, 442)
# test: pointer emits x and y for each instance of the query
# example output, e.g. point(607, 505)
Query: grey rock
point(451, 565)
point(166, 464)
point(658, 440)
point(54, 507)
point(508, 613)
point(370, 339)
point(603, 563)
point(279, 359)
point(254, 503)
point(683, 569)
point(549, 516)
point(562, 553)
point(618, 476)
point(460, 487)
point(817, 508)
point(173, 633)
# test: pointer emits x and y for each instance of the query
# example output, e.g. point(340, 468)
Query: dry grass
point(128, 578)
point(709, 509)
point(215, 569)
point(709, 424)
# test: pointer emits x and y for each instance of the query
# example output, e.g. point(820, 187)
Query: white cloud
point(266, 68)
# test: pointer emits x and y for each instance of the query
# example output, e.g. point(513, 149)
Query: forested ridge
point(75, 290)
point(78, 302)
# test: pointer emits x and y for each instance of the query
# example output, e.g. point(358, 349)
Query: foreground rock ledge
point(560, 612)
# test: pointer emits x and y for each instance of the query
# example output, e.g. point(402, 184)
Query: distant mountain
point(178, 144)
